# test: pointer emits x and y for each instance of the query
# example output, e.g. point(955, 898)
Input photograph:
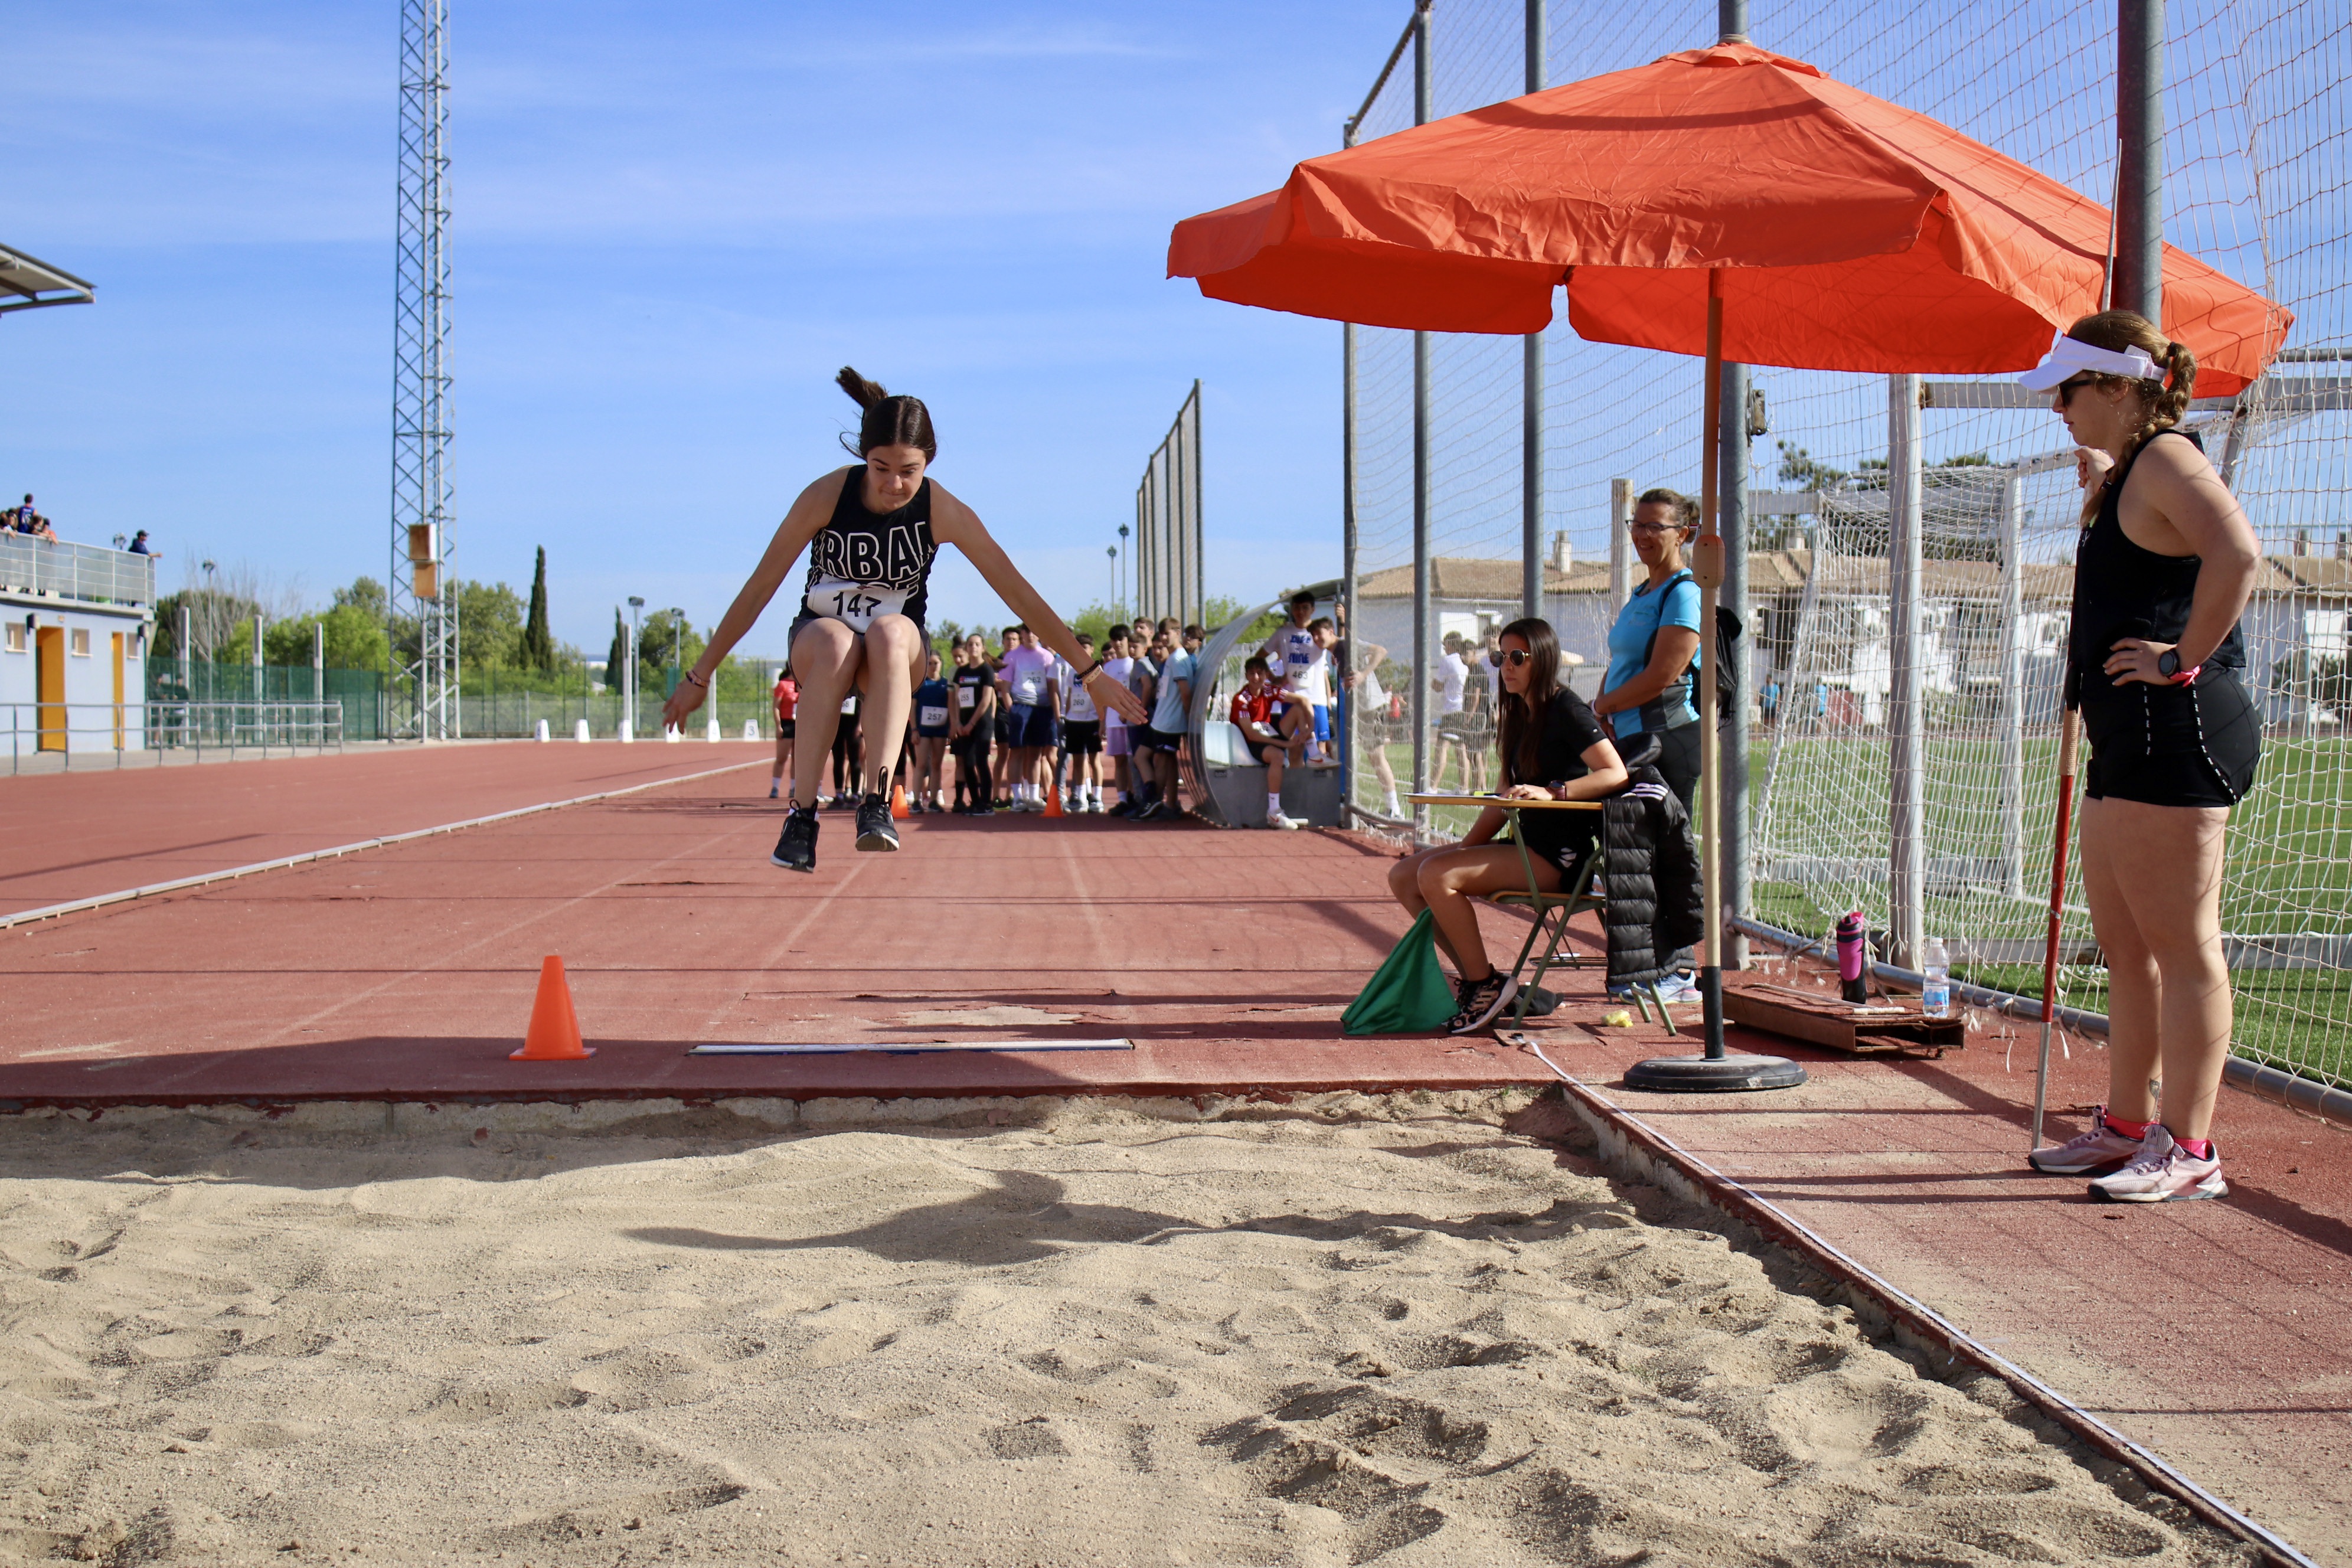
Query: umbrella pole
point(2068, 732)
point(1714, 1071)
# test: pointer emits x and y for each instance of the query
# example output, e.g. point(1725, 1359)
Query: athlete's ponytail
point(2163, 399)
point(888, 421)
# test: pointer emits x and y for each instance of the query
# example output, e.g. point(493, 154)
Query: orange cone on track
point(1054, 800)
point(555, 1034)
point(898, 801)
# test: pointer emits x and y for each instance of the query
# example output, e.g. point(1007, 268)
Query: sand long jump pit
point(1408, 1332)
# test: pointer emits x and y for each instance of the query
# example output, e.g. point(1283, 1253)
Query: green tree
point(489, 625)
point(355, 639)
point(664, 638)
point(616, 658)
point(537, 650)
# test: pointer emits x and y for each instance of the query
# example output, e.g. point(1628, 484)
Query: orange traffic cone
point(1053, 800)
point(898, 801)
point(554, 1033)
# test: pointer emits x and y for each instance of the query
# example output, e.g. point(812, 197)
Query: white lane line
point(179, 884)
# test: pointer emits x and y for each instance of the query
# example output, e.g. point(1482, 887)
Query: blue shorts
point(1026, 726)
point(1323, 722)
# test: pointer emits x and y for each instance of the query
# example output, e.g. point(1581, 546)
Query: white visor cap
point(2071, 357)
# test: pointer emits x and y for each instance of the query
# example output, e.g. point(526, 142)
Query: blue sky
point(672, 225)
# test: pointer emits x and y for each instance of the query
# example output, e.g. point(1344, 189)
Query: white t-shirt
point(1292, 652)
point(1123, 671)
point(1078, 703)
point(1026, 671)
point(1452, 672)
point(1318, 678)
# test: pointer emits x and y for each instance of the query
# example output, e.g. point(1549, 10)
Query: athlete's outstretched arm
point(799, 525)
point(952, 522)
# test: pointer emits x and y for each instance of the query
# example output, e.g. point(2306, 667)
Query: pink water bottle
point(1850, 984)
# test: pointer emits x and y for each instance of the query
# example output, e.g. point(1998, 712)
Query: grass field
point(2290, 869)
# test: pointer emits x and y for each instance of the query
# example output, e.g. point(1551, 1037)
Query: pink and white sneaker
point(2163, 1173)
point(2100, 1149)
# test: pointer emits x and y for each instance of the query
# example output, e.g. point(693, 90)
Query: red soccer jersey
point(788, 695)
point(1253, 711)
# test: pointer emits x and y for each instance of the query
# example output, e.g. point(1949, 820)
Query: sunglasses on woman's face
point(2067, 389)
point(1515, 657)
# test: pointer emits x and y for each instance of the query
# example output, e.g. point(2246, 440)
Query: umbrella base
point(1716, 1075)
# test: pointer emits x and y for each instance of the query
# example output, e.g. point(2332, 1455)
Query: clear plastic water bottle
point(1935, 994)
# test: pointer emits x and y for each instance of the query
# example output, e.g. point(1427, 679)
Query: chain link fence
point(2259, 95)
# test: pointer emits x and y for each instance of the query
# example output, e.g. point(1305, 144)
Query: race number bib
point(855, 604)
point(1032, 685)
point(930, 717)
point(967, 699)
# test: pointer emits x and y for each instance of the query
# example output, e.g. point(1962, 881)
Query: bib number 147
point(851, 604)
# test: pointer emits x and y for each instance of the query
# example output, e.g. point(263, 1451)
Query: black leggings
point(971, 768)
point(848, 754)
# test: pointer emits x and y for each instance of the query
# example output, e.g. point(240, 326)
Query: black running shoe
point(1480, 1003)
point(796, 850)
point(874, 828)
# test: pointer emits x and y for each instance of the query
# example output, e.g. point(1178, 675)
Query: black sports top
point(862, 565)
point(2122, 590)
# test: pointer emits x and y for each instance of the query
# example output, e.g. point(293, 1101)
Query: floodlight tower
point(421, 592)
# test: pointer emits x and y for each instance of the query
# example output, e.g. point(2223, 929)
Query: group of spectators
point(1014, 730)
point(25, 519)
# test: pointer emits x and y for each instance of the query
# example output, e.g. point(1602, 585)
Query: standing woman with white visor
point(2166, 564)
point(871, 530)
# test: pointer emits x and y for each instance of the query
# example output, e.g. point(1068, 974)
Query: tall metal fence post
point(1532, 444)
point(1620, 544)
point(1731, 522)
point(1351, 707)
point(2013, 687)
point(1907, 804)
point(1421, 562)
point(2139, 150)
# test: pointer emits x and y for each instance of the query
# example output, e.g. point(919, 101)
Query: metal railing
point(86, 572)
point(90, 730)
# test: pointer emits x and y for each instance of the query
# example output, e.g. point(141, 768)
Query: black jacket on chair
point(1656, 904)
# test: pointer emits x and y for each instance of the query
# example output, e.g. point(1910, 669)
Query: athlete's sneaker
point(1285, 824)
point(2163, 1173)
point(1126, 808)
point(796, 850)
point(874, 828)
point(1680, 988)
point(2102, 1148)
point(841, 802)
point(1481, 1002)
point(774, 792)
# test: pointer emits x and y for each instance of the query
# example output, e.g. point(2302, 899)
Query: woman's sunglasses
point(2067, 389)
point(1515, 657)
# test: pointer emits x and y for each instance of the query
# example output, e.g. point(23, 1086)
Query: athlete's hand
point(683, 701)
point(2134, 658)
point(1110, 693)
point(2091, 466)
point(1528, 792)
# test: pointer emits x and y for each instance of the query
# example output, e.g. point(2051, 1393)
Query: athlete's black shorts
point(786, 728)
point(807, 614)
point(1144, 738)
point(2172, 745)
point(1081, 737)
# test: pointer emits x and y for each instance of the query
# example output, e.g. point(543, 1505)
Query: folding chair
point(1580, 891)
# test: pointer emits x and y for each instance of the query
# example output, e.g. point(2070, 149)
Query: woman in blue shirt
point(1654, 644)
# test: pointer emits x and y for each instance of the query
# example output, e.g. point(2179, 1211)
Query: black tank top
point(861, 564)
point(2124, 591)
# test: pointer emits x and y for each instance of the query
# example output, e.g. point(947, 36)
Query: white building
point(74, 628)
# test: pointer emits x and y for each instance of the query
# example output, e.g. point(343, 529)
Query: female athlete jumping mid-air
point(871, 530)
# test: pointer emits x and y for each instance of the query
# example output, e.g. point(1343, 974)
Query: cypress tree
point(616, 662)
point(538, 645)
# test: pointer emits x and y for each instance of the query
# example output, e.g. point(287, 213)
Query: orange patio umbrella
point(1725, 201)
point(1840, 232)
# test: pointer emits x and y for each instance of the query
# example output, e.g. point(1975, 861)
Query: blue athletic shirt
point(932, 708)
point(1645, 613)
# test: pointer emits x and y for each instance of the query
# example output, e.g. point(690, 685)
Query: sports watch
point(2167, 663)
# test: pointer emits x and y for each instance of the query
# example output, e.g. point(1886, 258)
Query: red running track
point(2217, 1333)
point(64, 837)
